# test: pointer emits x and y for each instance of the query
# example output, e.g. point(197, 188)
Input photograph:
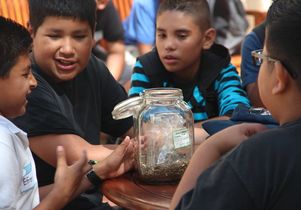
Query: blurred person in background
point(109, 36)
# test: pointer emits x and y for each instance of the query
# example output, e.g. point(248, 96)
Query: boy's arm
point(44, 191)
point(144, 48)
point(210, 151)
point(70, 180)
point(45, 147)
point(230, 91)
point(117, 163)
point(115, 60)
point(66, 182)
point(53, 201)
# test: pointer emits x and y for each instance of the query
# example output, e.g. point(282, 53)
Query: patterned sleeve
point(139, 80)
point(229, 90)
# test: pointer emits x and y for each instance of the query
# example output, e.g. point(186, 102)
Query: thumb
point(61, 157)
point(118, 154)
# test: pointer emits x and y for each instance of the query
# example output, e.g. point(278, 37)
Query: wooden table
point(129, 193)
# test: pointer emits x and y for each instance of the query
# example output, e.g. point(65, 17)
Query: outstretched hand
point(118, 162)
point(68, 178)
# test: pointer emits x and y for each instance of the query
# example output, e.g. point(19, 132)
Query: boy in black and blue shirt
point(187, 58)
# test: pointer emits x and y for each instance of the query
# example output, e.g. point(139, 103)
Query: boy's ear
point(281, 79)
point(101, 4)
point(209, 38)
point(30, 29)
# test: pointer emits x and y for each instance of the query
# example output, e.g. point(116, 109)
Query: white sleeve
point(9, 173)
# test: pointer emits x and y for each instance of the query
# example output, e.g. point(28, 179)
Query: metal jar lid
point(127, 108)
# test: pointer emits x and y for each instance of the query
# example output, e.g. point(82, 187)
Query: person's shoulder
point(251, 35)
point(216, 58)
point(151, 55)
point(151, 63)
point(7, 131)
point(44, 88)
point(96, 66)
point(251, 40)
point(219, 52)
point(97, 75)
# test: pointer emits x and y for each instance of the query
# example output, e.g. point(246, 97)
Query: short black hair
point(199, 9)
point(15, 41)
point(83, 10)
point(283, 27)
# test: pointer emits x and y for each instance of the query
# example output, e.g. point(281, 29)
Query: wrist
point(94, 178)
point(93, 175)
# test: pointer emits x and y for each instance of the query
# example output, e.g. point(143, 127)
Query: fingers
point(122, 148)
point(252, 128)
point(79, 165)
point(122, 152)
point(126, 141)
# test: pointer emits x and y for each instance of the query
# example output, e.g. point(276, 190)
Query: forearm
point(199, 124)
point(115, 60)
point(53, 201)
point(200, 135)
point(44, 191)
point(116, 164)
point(48, 193)
point(203, 157)
point(144, 48)
point(115, 63)
point(45, 147)
point(100, 170)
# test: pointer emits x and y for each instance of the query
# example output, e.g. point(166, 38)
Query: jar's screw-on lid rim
point(168, 92)
point(127, 108)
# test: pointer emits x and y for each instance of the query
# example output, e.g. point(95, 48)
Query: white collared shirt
point(18, 180)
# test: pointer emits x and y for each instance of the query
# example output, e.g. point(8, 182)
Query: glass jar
point(164, 133)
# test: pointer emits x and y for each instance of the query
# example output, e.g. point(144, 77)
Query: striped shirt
point(225, 87)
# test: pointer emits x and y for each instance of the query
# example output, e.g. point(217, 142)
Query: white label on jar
point(181, 138)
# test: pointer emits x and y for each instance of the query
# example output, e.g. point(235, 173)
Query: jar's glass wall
point(166, 139)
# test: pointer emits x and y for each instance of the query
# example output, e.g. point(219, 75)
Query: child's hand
point(68, 178)
point(118, 162)
point(230, 137)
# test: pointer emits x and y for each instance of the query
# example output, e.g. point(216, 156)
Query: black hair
point(283, 25)
point(83, 10)
point(15, 41)
point(199, 9)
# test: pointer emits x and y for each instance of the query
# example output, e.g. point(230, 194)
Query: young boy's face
point(179, 41)
point(15, 88)
point(62, 47)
